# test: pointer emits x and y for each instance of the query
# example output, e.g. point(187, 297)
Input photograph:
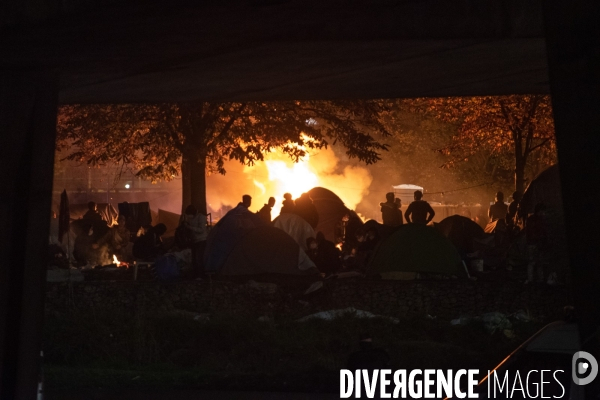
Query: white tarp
point(408, 187)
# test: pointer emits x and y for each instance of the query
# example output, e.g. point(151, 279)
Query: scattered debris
point(522, 316)
point(333, 314)
point(264, 287)
point(495, 321)
point(64, 275)
point(314, 287)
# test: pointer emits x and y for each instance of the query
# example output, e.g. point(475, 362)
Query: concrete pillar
point(28, 104)
point(573, 46)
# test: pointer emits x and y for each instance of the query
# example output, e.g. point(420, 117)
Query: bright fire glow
point(117, 262)
point(278, 174)
point(295, 179)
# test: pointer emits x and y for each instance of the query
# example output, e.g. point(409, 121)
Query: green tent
point(267, 250)
point(416, 248)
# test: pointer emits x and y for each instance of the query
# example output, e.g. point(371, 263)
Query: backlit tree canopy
point(162, 141)
point(518, 129)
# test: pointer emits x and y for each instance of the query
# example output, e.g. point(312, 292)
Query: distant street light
point(127, 186)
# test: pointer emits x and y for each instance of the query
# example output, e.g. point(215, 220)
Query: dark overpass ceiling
point(156, 51)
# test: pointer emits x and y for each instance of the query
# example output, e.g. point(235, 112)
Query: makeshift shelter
point(546, 188)
point(406, 192)
point(296, 227)
point(267, 250)
point(461, 231)
point(106, 210)
point(170, 219)
point(226, 234)
point(383, 231)
point(331, 211)
point(416, 248)
point(136, 215)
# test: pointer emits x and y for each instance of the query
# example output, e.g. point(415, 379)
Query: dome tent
point(416, 248)
point(461, 231)
point(225, 235)
point(331, 210)
point(267, 250)
point(546, 188)
point(296, 227)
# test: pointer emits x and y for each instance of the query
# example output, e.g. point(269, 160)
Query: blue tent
point(226, 234)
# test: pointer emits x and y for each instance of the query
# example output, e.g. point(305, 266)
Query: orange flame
point(278, 174)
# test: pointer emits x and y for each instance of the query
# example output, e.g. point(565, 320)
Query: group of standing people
point(534, 227)
point(418, 212)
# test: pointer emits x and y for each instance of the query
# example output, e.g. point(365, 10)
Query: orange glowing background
point(278, 174)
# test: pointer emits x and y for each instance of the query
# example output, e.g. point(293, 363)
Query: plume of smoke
point(278, 175)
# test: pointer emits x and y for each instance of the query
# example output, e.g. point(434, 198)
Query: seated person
point(367, 238)
point(117, 239)
point(92, 214)
point(327, 257)
point(149, 246)
point(82, 248)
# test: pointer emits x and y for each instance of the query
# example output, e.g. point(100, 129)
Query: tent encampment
point(170, 219)
point(106, 210)
point(546, 189)
point(226, 234)
point(267, 250)
point(136, 215)
point(296, 227)
point(461, 231)
point(416, 248)
point(331, 211)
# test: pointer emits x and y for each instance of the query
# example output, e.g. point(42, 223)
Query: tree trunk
point(186, 194)
point(520, 161)
point(520, 175)
point(197, 185)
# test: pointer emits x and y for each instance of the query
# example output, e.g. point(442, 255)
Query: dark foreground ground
point(190, 394)
point(97, 355)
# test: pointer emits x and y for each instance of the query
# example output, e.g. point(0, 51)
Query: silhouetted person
point(195, 223)
point(537, 240)
point(117, 239)
point(92, 214)
point(82, 248)
point(390, 211)
point(288, 204)
point(246, 201)
point(368, 357)
point(149, 246)
point(367, 238)
point(307, 210)
point(419, 211)
point(513, 207)
point(398, 202)
point(312, 248)
point(498, 210)
point(327, 256)
point(265, 211)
